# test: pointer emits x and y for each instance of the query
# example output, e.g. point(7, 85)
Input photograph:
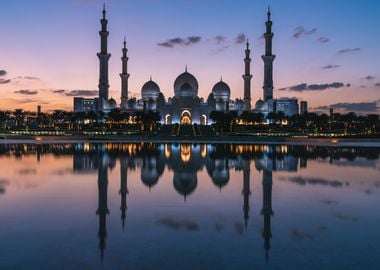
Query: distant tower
point(124, 78)
point(247, 77)
point(123, 188)
point(104, 57)
point(268, 59)
point(267, 210)
point(246, 189)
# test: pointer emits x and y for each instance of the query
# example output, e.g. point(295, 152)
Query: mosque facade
point(185, 106)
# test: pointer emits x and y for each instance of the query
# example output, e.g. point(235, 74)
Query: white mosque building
point(185, 107)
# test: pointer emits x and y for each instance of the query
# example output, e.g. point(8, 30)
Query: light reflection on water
point(148, 206)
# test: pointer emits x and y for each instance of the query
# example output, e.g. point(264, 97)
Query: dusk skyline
point(326, 52)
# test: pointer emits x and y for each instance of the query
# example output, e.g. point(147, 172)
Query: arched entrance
point(204, 119)
point(186, 118)
point(168, 119)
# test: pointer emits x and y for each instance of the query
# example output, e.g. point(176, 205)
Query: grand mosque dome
point(150, 90)
point(186, 85)
point(222, 91)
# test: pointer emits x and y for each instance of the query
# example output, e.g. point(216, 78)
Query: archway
point(186, 118)
point(168, 119)
point(203, 119)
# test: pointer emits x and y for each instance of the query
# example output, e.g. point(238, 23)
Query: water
point(146, 206)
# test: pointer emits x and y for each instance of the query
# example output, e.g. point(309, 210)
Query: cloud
point(330, 66)
point(300, 31)
point(326, 86)
point(27, 78)
point(369, 78)
point(58, 91)
point(344, 51)
point(26, 92)
point(87, 93)
point(303, 181)
point(377, 84)
point(171, 43)
point(177, 224)
point(3, 81)
point(3, 184)
point(240, 39)
point(3, 72)
point(314, 87)
point(323, 39)
point(220, 39)
point(354, 106)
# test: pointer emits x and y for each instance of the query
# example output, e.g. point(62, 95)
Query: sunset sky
point(327, 51)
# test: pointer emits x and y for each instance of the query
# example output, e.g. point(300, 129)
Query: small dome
point(221, 90)
point(185, 80)
point(112, 103)
point(239, 104)
point(261, 106)
point(150, 90)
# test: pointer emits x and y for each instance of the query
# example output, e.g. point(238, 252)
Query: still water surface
point(149, 206)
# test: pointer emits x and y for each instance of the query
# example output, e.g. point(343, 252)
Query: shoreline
point(352, 142)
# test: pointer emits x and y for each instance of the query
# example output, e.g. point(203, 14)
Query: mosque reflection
point(186, 161)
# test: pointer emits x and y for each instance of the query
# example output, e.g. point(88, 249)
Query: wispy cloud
point(26, 92)
point(171, 43)
point(372, 106)
point(32, 78)
point(220, 39)
point(369, 78)
point(58, 91)
point(314, 87)
point(330, 66)
point(88, 93)
point(323, 40)
point(348, 50)
point(3, 72)
point(241, 38)
point(4, 81)
point(300, 31)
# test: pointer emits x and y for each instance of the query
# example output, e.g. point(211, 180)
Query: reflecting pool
point(189, 206)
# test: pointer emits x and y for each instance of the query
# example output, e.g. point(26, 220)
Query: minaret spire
point(247, 77)
point(268, 59)
point(104, 57)
point(124, 77)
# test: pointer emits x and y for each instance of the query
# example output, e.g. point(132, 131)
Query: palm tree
point(4, 118)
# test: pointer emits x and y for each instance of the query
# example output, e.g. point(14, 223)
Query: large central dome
point(186, 84)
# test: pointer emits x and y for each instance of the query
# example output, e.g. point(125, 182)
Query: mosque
point(185, 107)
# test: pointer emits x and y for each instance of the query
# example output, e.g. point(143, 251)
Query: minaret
point(102, 205)
point(268, 59)
point(104, 57)
point(123, 189)
point(124, 78)
point(267, 210)
point(247, 77)
point(246, 189)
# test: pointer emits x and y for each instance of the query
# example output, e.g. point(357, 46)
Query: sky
point(327, 52)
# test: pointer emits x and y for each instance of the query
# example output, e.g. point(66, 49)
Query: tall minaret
point(268, 59)
point(103, 56)
point(124, 78)
point(247, 77)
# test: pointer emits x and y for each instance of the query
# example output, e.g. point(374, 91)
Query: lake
point(189, 206)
